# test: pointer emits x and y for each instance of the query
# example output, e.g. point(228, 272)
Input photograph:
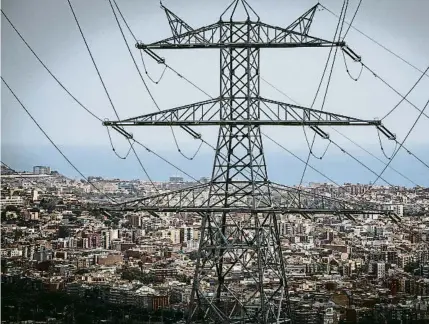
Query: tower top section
point(239, 10)
point(241, 21)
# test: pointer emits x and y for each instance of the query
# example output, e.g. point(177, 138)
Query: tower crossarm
point(286, 200)
point(262, 35)
point(270, 113)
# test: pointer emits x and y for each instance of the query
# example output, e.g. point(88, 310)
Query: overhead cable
point(46, 68)
point(403, 98)
point(83, 106)
point(343, 135)
point(141, 52)
point(406, 95)
point(52, 142)
point(156, 81)
point(163, 62)
point(376, 42)
point(360, 162)
point(108, 95)
point(415, 156)
point(353, 18)
point(402, 143)
point(338, 32)
point(113, 147)
point(297, 157)
point(145, 84)
point(392, 88)
point(348, 70)
point(382, 147)
point(8, 167)
point(355, 143)
point(175, 72)
point(180, 75)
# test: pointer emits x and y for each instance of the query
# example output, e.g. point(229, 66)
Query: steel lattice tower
point(240, 274)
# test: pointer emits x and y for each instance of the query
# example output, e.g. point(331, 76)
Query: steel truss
point(240, 273)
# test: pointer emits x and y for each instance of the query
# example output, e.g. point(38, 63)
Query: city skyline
point(101, 161)
point(218, 208)
point(58, 244)
point(346, 96)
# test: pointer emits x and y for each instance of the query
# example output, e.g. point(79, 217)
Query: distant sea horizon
point(282, 167)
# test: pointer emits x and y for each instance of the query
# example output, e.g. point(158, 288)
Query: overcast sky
point(49, 28)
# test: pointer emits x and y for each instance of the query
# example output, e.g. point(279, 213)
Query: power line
point(164, 63)
point(403, 97)
point(402, 143)
point(165, 160)
point(14, 171)
point(343, 135)
point(84, 107)
point(360, 162)
point(107, 92)
point(338, 31)
point(348, 70)
point(208, 95)
point(353, 18)
point(173, 70)
point(92, 59)
point(382, 147)
point(297, 157)
point(113, 147)
point(144, 82)
point(309, 165)
point(415, 156)
point(8, 167)
point(376, 42)
point(52, 142)
point(46, 68)
point(146, 71)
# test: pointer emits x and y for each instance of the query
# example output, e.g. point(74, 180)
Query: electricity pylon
point(240, 272)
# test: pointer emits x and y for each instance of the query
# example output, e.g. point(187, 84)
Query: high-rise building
point(329, 316)
point(39, 169)
point(396, 208)
point(205, 180)
point(176, 179)
point(135, 220)
point(106, 239)
point(380, 270)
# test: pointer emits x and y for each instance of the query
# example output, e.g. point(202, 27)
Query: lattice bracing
point(284, 199)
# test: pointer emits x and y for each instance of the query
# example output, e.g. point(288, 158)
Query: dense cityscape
point(134, 267)
point(232, 246)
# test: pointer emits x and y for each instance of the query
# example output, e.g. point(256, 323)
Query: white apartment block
point(396, 208)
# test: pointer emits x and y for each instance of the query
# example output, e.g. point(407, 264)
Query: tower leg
point(240, 276)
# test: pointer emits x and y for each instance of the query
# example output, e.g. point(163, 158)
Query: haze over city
point(231, 161)
point(86, 140)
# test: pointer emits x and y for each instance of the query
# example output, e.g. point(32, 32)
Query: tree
point(48, 204)
point(411, 266)
point(3, 216)
point(136, 274)
point(18, 234)
point(193, 255)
